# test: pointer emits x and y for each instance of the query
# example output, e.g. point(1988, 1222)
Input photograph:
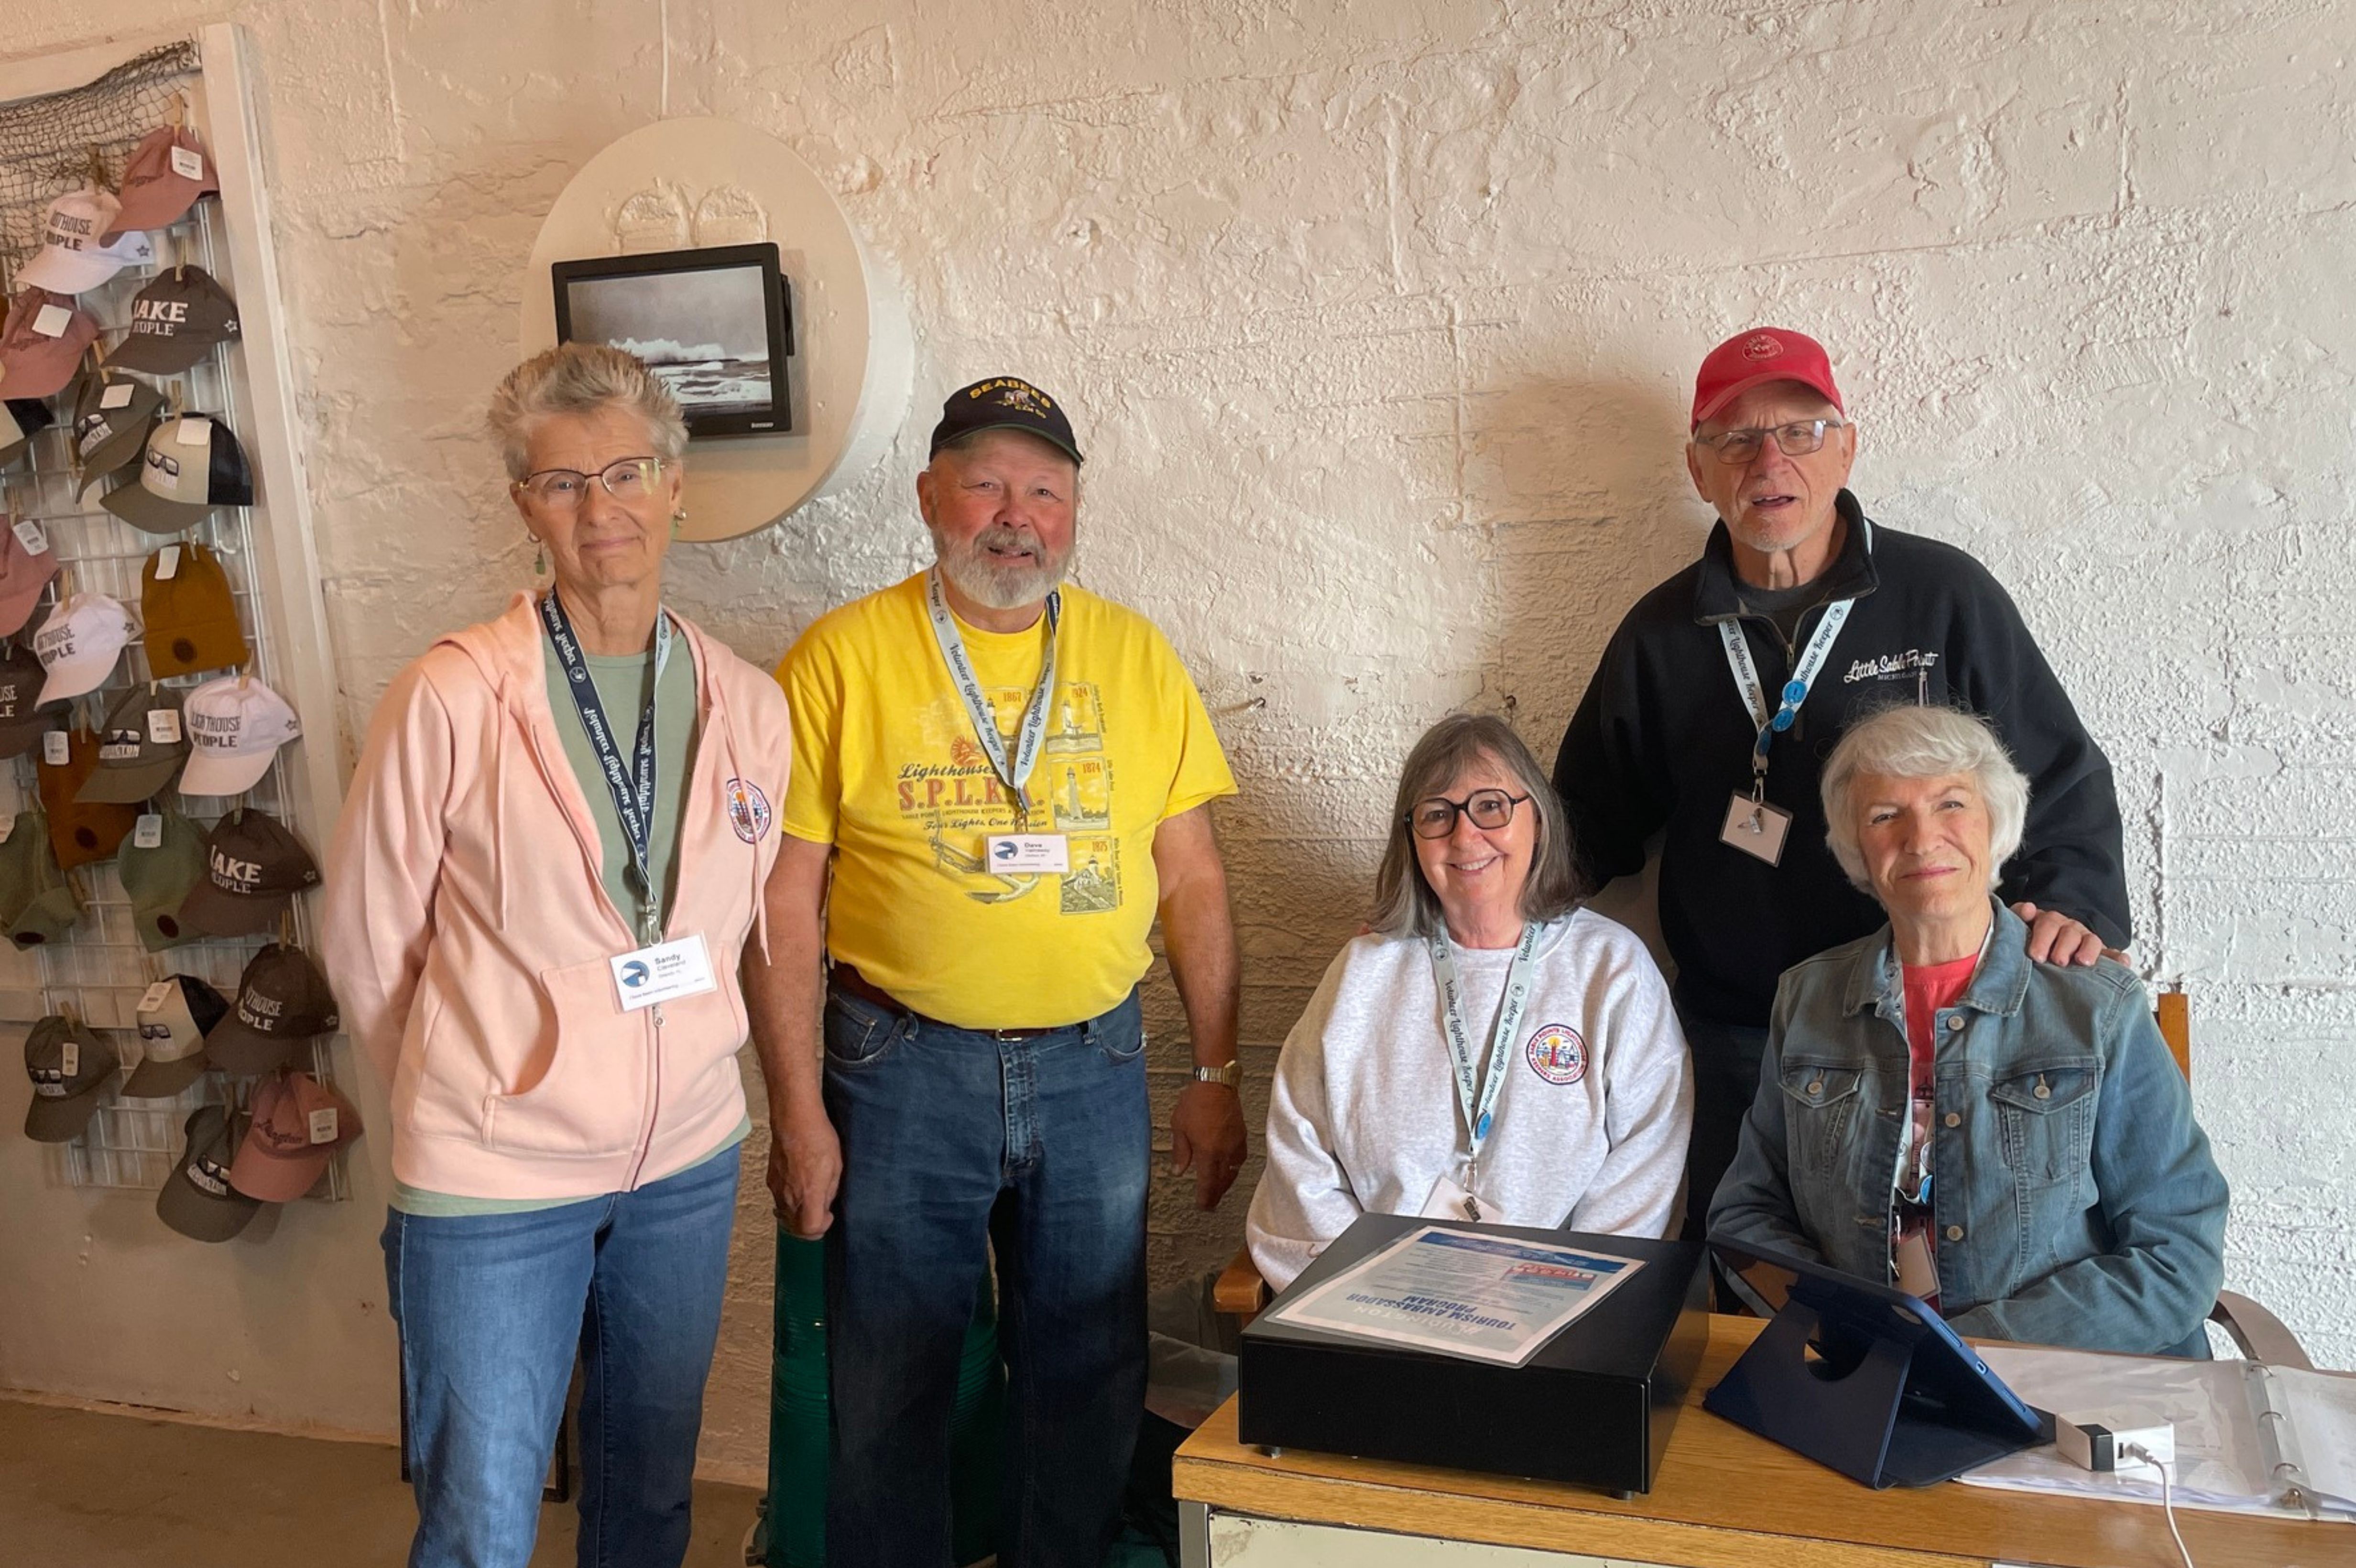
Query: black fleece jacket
point(1663, 739)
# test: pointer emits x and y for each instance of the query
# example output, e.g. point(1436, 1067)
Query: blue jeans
point(491, 1308)
point(957, 1144)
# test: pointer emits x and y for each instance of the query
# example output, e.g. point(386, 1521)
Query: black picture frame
point(699, 317)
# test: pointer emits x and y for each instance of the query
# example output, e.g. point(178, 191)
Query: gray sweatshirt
point(1587, 1132)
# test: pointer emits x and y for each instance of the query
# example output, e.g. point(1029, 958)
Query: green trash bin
point(800, 1415)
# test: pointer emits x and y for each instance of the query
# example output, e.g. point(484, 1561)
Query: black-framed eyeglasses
point(1800, 437)
point(1435, 817)
point(626, 479)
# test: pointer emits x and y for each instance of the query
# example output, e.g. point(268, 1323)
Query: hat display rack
point(96, 973)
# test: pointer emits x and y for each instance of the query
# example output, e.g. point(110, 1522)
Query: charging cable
point(2167, 1498)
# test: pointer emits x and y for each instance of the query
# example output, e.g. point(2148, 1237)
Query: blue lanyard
point(632, 786)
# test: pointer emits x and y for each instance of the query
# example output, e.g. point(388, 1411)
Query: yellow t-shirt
point(887, 770)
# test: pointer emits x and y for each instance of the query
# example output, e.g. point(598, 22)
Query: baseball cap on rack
point(190, 615)
point(298, 1123)
point(112, 421)
point(85, 241)
point(196, 1200)
point(168, 172)
point(1003, 402)
point(143, 744)
point(282, 1004)
point(254, 868)
point(68, 1066)
point(175, 1016)
point(1755, 357)
point(193, 464)
point(81, 831)
point(157, 877)
point(176, 321)
point(23, 722)
point(42, 343)
point(21, 418)
point(236, 725)
point(38, 900)
point(23, 574)
point(78, 643)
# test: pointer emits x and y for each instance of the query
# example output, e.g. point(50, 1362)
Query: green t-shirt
point(621, 681)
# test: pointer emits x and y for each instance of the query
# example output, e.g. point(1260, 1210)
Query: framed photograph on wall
point(716, 324)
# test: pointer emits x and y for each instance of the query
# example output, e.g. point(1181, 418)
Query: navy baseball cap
point(1003, 402)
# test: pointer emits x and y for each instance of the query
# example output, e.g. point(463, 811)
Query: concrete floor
point(79, 1489)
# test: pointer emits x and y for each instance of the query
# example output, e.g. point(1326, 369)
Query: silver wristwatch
point(1230, 1076)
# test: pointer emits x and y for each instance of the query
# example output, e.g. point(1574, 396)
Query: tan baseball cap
point(193, 464)
point(298, 1123)
point(189, 613)
point(174, 1014)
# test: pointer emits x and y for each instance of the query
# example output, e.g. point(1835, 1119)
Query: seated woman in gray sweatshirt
point(1489, 1050)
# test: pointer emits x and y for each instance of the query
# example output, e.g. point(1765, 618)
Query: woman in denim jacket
point(2007, 1140)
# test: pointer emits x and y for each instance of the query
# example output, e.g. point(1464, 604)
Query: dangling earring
point(538, 554)
point(678, 521)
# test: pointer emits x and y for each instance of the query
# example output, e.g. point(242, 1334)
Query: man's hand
point(805, 1168)
point(2055, 938)
point(1206, 1134)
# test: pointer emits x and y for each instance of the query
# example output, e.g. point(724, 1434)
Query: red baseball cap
point(1755, 357)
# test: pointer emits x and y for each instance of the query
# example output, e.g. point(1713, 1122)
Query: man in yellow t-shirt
point(1008, 779)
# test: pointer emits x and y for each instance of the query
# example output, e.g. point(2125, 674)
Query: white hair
point(1923, 743)
point(581, 379)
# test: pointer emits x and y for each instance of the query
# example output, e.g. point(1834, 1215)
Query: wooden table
point(1724, 1498)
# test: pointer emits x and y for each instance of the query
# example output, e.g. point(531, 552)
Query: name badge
point(663, 972)
point(1029, 854)
point(1755, 827)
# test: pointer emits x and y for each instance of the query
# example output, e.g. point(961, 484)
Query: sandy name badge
point(682, 967)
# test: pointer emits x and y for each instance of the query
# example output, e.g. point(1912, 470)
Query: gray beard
point(995, 584)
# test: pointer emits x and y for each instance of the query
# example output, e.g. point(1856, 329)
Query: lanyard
point(633, 786)
point(1796, 690)
point(1478, 1099)
point(977, 706)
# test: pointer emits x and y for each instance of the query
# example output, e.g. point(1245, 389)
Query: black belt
point(847, 979)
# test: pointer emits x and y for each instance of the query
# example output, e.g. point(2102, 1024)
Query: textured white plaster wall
point(1378, 318)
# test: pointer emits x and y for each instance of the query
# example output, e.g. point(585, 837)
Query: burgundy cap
point(1755, 357)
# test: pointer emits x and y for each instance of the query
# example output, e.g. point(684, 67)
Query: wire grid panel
point(98, 973)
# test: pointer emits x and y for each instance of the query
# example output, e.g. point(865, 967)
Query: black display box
point(1594, 1407)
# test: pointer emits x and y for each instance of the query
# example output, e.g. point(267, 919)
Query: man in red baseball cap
point(1718, 699)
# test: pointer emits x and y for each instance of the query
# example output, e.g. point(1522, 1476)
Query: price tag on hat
point(147, 833)
point(31, 535)
point(195, 430)
point(323, 1125)
point(163, 726)
point(7, 826)
point(152, 1000)
point(168, 562)
point(52, 321)
point(187, 163)
point(70, 1058)
point(57, 750)
point(116, 396)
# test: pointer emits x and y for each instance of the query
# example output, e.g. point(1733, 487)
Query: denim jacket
point(2074, 1196)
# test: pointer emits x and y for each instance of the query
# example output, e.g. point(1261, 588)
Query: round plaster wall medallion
point(704, 182)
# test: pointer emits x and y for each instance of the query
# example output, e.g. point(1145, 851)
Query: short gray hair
point(1908, 743)
point(1405, 905)
point(581, 379)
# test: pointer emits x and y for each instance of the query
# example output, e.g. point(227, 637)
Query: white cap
point(78, 643)
point(79, 248)
point(235, 726)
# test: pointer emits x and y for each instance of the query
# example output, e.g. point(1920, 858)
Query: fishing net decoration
point(48, 144)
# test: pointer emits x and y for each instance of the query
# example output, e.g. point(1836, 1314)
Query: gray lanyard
point(1477, 1097)
point(977, 706)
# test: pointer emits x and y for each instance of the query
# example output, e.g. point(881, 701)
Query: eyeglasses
point(1800, 437)
point(627, 480)
point(1435, 817)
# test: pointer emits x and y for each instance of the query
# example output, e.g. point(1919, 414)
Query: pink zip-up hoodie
point(467, 933)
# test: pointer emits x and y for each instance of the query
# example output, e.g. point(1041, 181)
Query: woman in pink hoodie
point(555, 852)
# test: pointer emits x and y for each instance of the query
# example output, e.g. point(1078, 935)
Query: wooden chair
point(2258, 1334)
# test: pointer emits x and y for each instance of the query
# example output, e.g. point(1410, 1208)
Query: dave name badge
point(1029, 854)
point(663, 973)
point(1755, 827)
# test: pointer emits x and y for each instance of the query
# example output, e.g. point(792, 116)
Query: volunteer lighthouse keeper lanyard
point(1477, 1097)
point(1796, 690)
point(1015, 776)
point(633, 786)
